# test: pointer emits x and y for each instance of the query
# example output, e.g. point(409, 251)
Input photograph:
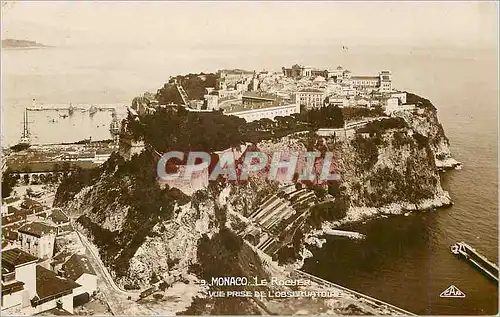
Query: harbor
point(479, 261)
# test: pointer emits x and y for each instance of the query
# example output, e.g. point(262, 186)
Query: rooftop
point(28, 203)
point(77, 265)
point(15, 257)
point(12, 287)
point(58, 216)
point(311, 90)
point(365, 77)
point(239, 107)
point(10, 200)
point(17, 215)
point(37, 229)
point(259, 95)
point(56, 311)
point(235, 71)
point(49, 285)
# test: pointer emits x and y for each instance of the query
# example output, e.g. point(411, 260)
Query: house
point(310, 97)
point(58, 260)
point(7, 204)
point(79, 269)
point(9, 238)
point(38, 239)
point(61, 220)
point(18, 280)
point(59, 217)
point(52, 291)
point(29, 203)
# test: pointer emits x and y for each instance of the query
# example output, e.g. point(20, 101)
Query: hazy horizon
point(254, 24)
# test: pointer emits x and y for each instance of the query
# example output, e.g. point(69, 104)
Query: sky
point(466, 24)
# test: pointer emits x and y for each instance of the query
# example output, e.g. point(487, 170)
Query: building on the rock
point(310, 97)
point(229, 78)
point(381, 82)
point(211, 101)
point(299, 71)
point(197, 181)
point(258, 105)
point(128, 145)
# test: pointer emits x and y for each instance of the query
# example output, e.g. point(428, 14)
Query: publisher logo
point(452, 292)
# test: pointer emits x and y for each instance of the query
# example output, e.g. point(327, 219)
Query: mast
point(26, 128)
point(25, 138)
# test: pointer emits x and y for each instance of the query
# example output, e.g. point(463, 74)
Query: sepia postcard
point(249, 158)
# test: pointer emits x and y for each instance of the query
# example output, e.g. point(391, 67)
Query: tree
point(26, 179)
point(8, 182)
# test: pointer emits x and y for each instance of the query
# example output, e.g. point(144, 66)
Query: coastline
point(316, 238)
point(25, 48)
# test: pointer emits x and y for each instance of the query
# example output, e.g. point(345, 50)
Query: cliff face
point(389, 172)
point(146, 232)
point(425, 121)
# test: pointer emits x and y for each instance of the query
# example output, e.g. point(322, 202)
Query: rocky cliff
point(148, 235)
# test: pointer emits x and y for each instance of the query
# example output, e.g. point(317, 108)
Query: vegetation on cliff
point(175, 128)
point(392, 166)
point(194, 84)
point(116, 184)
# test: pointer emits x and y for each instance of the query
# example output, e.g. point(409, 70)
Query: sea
point(405, 260)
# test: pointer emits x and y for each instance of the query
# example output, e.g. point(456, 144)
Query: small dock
point(464, 250)
point(75, 107)
point(343, 233)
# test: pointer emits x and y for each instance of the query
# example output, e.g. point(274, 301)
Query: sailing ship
point(92, 110)
point(71, 109)
point(25, 141)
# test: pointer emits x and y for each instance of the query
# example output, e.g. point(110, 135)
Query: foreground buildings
point(44, 269)
point(29, 288)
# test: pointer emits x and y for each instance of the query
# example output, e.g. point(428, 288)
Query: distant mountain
point(11, 43)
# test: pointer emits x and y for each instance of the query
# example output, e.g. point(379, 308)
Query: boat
point(71, 109)
point(63, 115)
point(85, 110)
point(92, 110)
point(25, 141)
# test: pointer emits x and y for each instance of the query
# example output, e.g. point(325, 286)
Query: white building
point(79, 269)
point(381, 82)
point(29, 289)
point(310, 97)
point(211, 101)
point(253, 113)
point(18, 280)
point(52, 292)
point(385, 85)
point(400, 95)
point(38, 239)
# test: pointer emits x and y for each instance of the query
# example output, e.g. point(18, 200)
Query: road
point(117, 298)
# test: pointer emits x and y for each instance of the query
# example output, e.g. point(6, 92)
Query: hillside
point(146, 234)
